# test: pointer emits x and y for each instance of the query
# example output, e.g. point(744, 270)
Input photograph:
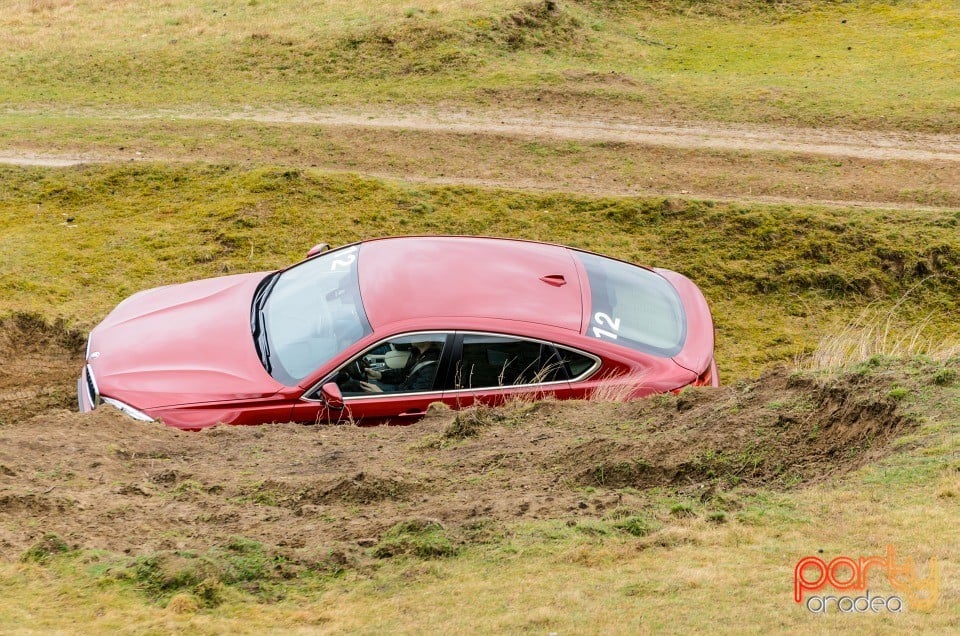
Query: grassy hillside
point(872, 64)
point(77, 241)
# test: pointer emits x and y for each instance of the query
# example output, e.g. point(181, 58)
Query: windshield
point(633, 307)
point(304, 316)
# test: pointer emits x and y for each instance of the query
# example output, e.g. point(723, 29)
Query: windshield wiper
point(258, 319)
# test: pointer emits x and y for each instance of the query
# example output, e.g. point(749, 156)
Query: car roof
point(421, 277)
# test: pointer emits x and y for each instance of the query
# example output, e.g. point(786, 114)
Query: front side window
point(633, 307)
point(406, 364)
point(490, 361)
point(306, 315)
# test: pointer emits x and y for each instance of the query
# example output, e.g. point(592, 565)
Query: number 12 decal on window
point(603, 319)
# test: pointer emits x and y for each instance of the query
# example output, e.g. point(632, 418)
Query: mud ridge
point(103, 481)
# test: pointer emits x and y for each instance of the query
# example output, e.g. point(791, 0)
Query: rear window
point(633, 307)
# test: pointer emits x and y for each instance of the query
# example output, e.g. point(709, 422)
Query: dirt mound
point(39, 360)
point(104, 481)
point(783, 430)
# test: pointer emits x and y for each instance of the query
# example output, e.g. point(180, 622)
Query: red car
point(376, 331)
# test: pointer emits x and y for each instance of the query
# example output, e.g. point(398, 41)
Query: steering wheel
point(357, 370)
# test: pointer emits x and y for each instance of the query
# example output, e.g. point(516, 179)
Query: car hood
point(181, 344)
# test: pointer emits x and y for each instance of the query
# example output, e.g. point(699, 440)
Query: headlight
point(126, 408)
point(88, 383)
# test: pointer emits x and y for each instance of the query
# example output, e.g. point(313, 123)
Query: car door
point(392, 382)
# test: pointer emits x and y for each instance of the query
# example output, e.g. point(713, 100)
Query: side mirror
point(331, 396)
point(319, 248)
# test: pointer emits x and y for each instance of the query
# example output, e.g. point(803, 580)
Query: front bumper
point(89, 398)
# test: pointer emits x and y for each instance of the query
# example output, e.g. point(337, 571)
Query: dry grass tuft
point(183, 604)
point(619, 389)
point(883, 333)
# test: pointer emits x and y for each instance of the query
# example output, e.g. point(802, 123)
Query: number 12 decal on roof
point(343, 264)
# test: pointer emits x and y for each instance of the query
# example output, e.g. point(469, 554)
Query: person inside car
point(416, 375)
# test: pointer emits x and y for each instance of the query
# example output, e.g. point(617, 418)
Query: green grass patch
point(240, 567)
point(49, 546)
point(862, 64)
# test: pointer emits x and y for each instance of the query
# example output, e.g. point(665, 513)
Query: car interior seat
point(396, 359)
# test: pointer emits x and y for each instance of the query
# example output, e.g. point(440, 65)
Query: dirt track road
point(863, 145)
point(726, 162)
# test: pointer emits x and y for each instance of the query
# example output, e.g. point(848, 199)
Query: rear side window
point(489, 361)
point(633, 307)
point(576, 364)
point(493, 361)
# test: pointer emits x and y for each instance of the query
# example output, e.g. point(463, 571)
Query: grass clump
point(467, 423)
point(898, 393)
point(421, 538)
point(717, 516)
point(877, 334)
point(240, 563)
point(47, 547)
point(944, 377)
point(636, 525)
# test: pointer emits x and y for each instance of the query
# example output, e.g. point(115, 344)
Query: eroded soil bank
point(104, 481)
